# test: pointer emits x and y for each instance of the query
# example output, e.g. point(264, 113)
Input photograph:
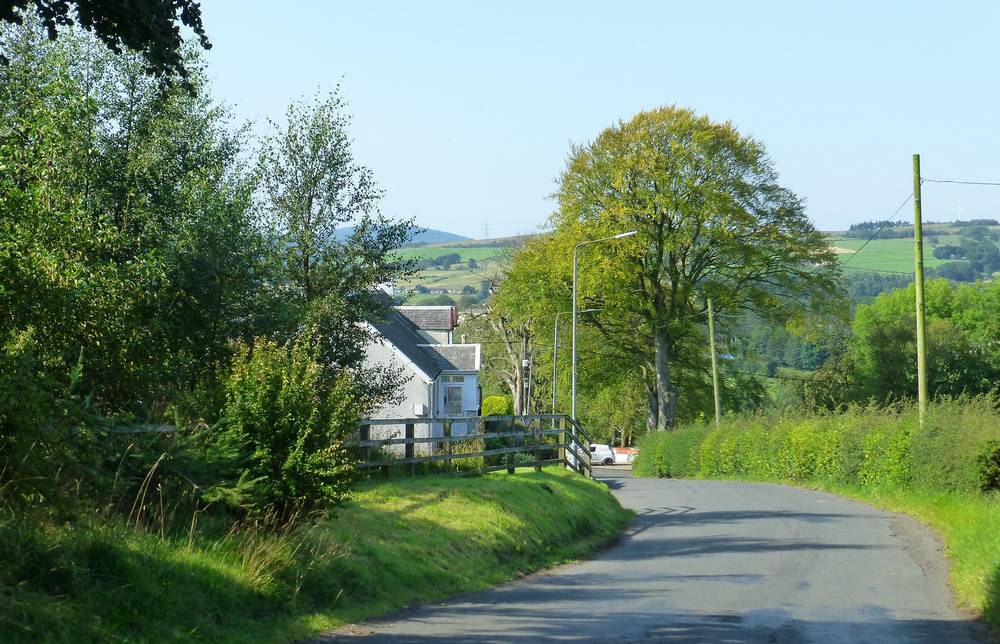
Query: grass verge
point(393, 544)
point(969, 525)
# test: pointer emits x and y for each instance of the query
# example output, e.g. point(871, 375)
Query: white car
point(601, 454)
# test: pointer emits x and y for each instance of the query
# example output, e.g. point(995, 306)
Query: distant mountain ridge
point(420, 237)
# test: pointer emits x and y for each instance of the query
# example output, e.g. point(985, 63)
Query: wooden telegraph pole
point(715, 364)
point(918, 254)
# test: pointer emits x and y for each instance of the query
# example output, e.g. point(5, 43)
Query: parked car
point(624, 455)
point(601, 454)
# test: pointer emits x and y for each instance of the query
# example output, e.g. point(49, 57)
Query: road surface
point(715, 561)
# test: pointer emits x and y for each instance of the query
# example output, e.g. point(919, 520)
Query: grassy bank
point(945, 472)
point(393, 544)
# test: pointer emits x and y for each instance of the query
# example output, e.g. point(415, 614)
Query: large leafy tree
point(149, 27)
point(712, 221)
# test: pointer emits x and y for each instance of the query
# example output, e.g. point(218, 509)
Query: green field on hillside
point(489, 259)
point(894, 255)
point(883, 255)
point(467, 252)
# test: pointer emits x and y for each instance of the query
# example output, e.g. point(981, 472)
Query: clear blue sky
point(465, 111)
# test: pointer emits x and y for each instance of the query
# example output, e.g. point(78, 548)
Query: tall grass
point(390, 545)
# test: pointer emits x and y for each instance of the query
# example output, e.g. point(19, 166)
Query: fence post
point(562, 440)
point(489, 427)
point(538, 445)
point(364, 433)
point(447, 444)
point(511, 456)
point(408, 448)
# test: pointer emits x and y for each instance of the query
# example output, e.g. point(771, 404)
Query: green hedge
point(498, 406)
point(957, 449)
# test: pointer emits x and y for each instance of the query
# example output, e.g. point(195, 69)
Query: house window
point(453, 378)
point(453, 400)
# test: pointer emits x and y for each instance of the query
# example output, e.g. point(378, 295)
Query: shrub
point(498, 406)
point(956, 449)
point(988, 462)
point(291, 420)
point(681, 461)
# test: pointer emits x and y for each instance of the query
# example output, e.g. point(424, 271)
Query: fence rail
point(497, 436)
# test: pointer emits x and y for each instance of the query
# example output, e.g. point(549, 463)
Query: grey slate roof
point(454, 357)
point(430, 318)
point(397, 329)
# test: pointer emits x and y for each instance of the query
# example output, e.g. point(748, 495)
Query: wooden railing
point(535, 434)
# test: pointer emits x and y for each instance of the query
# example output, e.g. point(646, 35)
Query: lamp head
point(628, 234)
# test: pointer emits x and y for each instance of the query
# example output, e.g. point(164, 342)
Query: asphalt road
point(712, 561)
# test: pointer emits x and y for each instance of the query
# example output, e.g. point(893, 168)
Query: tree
point(712, 221)
point(312, 186)
point(961, 329)
point(148, 27)
point(138, 194)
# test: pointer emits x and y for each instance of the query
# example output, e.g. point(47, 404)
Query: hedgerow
point(956, 449)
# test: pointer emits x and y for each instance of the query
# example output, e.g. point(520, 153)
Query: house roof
point(454, 357)
point(398, 327)
point(430, 318)
point(397, 330)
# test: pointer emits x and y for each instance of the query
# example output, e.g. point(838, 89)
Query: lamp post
point(573, 369)
point(555, 357)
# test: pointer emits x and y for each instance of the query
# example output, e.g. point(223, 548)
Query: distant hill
point(421, 237)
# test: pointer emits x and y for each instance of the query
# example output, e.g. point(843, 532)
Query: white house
point(442, 378)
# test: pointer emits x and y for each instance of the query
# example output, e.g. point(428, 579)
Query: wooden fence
point(516, 435)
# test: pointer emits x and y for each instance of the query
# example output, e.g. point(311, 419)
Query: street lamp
point(573, 394)
point(555, 357)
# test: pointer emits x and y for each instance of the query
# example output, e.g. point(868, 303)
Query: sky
point(466, 111)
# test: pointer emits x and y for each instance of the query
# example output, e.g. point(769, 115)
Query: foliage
point(863, 287)
point(712, 221)
point(145, 26)
point(312, 186)
point(134, 260)
point(955, 448)
point(293, 425)
point(981, 256)
point(498, 406)
point(961, 326)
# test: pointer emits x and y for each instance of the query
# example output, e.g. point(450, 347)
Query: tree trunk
point(517, 389)
point(652, 406)
point(664, 392)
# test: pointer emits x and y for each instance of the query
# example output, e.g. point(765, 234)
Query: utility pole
point(715, 364)
point(520, 409)
point(918, 256)
point(529, 375)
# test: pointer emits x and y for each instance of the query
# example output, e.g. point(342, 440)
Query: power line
point(882, 270)
point(881, 228)
point(965, 183)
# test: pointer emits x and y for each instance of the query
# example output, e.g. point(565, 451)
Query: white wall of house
point(417, 390)
point(458, 395)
